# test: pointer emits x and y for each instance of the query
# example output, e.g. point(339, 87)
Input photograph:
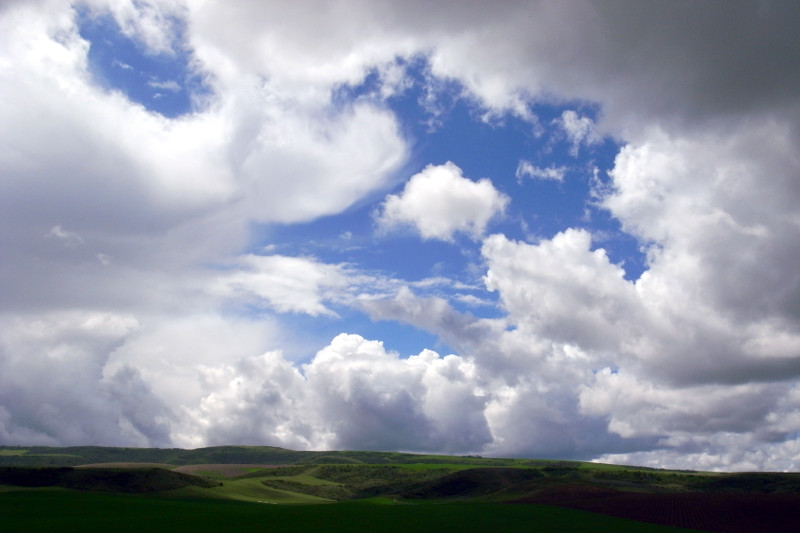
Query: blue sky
point(541, 230)
point(453, 128)
point(162, 82)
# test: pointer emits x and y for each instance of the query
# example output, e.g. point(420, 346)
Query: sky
point(523, 229)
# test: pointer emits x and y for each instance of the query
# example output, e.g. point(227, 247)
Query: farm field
point(47, 510)
point(287, 488)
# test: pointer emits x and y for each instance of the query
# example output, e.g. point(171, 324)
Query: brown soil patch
point(718, 512)
point(226, 470)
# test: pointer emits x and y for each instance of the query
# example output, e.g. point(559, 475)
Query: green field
point(49, 510)
point(12, 452)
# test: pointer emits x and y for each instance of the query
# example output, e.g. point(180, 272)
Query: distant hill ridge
point(724, 503)
point(81, 455)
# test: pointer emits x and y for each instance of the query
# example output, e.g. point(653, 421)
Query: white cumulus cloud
point(440, 201)
point(352, 395)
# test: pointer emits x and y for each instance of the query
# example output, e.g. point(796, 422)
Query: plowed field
point(718, 512)
point(224, 470)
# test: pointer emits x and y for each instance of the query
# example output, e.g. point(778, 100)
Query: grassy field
point(13, 452)
point(48, 510)
point(252, 490)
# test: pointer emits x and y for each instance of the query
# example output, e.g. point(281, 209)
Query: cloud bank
point(136, 283)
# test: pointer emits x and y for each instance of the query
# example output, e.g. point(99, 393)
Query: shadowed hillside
point(477, 482)
point(103, 479)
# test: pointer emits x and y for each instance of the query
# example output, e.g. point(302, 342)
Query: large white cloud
point(368, 396)
point(562, 290)
point(715, 211)
point(705, 342)
point(352, 394)
point(253, 400)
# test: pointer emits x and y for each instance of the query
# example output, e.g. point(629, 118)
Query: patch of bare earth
point(719, 512)
point(225, 470)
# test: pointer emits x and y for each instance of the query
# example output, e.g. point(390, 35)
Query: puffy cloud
point(440, 201)
point(369, 397)
point(716, 211)
point(254, 400)
point(747, 427)
point(562, 290)
point(352, 395)
point(531, 382)
point(717, 221)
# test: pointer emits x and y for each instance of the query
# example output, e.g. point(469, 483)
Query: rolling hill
point(728, 503)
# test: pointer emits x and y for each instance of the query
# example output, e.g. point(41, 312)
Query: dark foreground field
point(66, 512)
point(272, 489)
